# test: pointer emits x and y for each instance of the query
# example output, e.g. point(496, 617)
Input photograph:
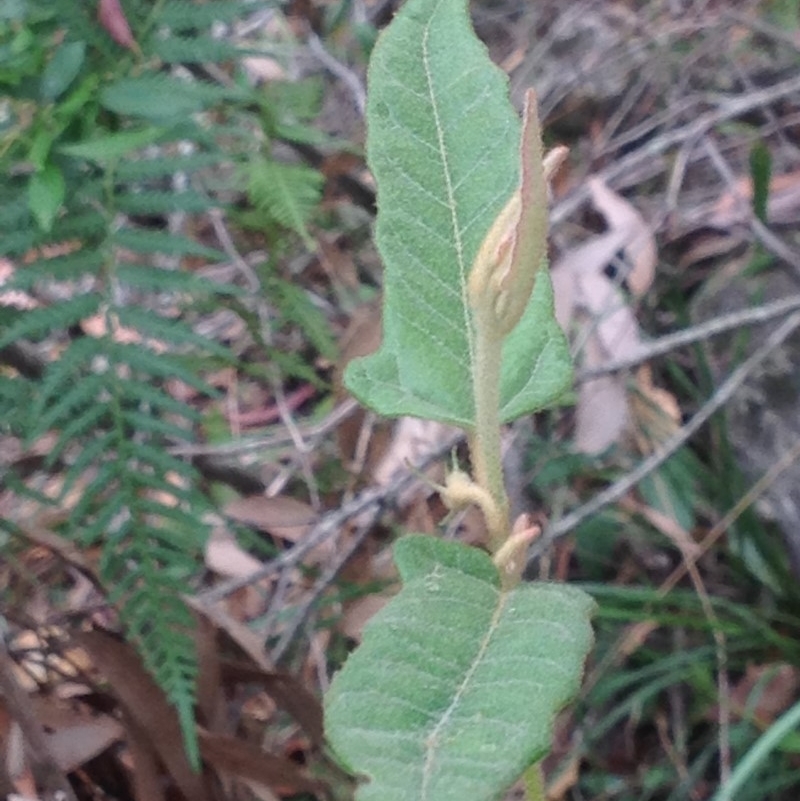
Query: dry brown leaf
point(765, 692)
point(281, 516)
point(74, 746)
point(412, 440)
point(227, 558)
point(141, 760)
point(210, 701)
point(262, 69)
point(607, 326)
point(602, 410)
point(360, 612)
point(285, 690)
point(240, 634)
point(655, 411)
point(601, 414)
point(242, 759)
point(146, 704)
point(612, 322)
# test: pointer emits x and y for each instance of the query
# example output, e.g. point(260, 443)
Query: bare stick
point(323, 582)
point(331, 524)
point(728, 107)
point(687, 336)
point(341, 71)
point(768, 239)
point(619, 488)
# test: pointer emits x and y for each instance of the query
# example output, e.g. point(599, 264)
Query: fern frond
point(164, 166)
point(163, 243)
point(164, 202)
point(194, 50)
point(39, 322)
point(16, 395)
point(158, 401)
point(161, 627)
point(144, 422)
point(108, 401)
point(157, 366)
point(183, 15)
point(71, 408)
point(162, 329)
point(89, 453)
point(193, 286)
point(286, 193)
point(160, 97)
point(61, 375)
point(85, 225)
point(296, 307)
point(17, 242)
point(58, 268)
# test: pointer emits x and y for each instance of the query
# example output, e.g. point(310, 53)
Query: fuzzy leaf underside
point(453, 691)
point(443, 144)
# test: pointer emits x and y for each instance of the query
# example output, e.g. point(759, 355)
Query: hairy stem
point(485, 439)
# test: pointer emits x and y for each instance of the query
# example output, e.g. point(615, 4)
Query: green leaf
point(62, 69)
point(45, 195)
point(761, 174)
point(163, 242)
point(160, 97)
point(443, 146)
point(288, 193)
point(453, 691)
point(194, 49)
point(112, 146)
point(187, 15)
point(415, 554)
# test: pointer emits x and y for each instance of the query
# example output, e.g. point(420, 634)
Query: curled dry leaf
point(607, 326)
point(639, 244)
point(655, 410)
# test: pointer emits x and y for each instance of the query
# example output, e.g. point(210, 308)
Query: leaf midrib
point(432, 740)
point(459, 246)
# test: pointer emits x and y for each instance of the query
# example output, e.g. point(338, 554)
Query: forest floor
point(666, 485)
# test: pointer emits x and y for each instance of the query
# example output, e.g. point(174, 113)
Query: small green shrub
point(453, 691)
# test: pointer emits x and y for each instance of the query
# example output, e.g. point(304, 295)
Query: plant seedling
point(453, 691)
